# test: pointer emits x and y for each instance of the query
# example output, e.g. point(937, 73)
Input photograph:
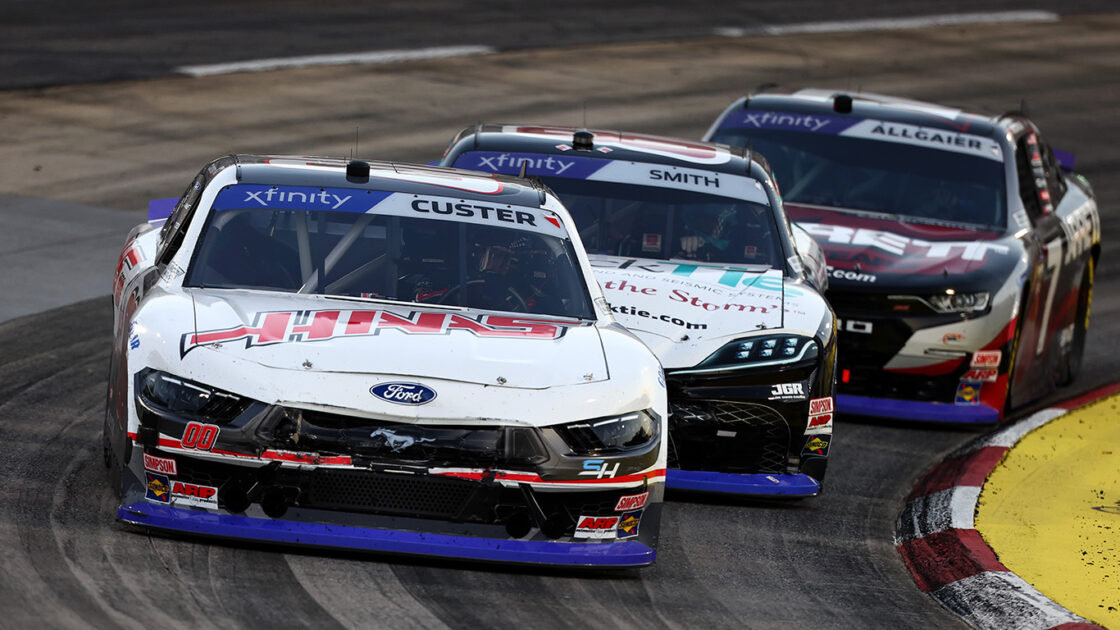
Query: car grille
point(759, 445)
point(423, 496)
point(872, 381)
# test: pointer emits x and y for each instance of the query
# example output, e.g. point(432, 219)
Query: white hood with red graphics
point(321, 334)
point(684, 311)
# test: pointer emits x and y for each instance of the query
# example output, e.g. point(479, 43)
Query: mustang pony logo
point(297, 326)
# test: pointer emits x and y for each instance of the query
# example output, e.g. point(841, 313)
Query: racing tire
point(1071, 359)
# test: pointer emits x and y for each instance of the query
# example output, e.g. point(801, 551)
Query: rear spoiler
point(1065, 159)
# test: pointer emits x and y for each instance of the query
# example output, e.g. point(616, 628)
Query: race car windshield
point(429, 258)
point(662, 223)
point(930, 185)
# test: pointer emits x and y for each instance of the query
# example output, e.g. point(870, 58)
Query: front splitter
point(787, 485)
point(553, 553)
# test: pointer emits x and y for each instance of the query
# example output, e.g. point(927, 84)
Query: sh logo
point(598, 468)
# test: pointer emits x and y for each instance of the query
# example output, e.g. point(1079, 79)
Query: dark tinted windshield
point(880, 176)
point(399, 258)
point(619, 219)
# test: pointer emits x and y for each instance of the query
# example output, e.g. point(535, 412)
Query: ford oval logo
point(404, 393)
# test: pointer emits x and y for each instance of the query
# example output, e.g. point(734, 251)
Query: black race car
point(696, 257)
point(961, 247)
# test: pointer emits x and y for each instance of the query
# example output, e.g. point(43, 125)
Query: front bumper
point(233, 526)
point(780, 484)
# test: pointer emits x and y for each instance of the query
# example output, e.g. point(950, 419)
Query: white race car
point(386, 357)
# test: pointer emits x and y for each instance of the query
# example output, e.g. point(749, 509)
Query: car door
point(1041, 190)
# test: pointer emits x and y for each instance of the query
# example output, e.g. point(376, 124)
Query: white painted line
point(891, 23)
point(377, 56)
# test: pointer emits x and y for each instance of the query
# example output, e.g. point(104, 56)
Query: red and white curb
point(937, 538)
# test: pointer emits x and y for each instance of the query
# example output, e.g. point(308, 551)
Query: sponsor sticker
point(183, 493)
point(951, 338)
point(200, 436)
point(631, 502)
point(651, 242)
point(161, 465)
point(820, 416)
point(981, 376)
point(599, 468)
point(787, 391)
point(818, 406)
point(986, 359)
point(597, 527)
point(404, 393)
point(817, 445)
point(628, 524)
point(968, 394)
point(158, 488)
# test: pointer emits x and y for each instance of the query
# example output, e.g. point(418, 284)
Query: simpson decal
point(162, 465)
point(631, 502)
point(986, 359)
point(306, 326)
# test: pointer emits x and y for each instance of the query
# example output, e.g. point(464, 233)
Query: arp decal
point(817, 445)
point(304, 326)
point(631, 502)
point(986, 359)
point(968, 394)
point(158, 488)
point(161, 465)
point(628, 524)
point(981, 375)
point(597, 527)
point(183, 493)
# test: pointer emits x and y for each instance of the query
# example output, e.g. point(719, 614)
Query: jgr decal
point(787, 391)
point(631, 502)
point(160, 464)
point(596, 527)
point(200, 436)
point(183, 493)
point(598, 468)
point(305, 326)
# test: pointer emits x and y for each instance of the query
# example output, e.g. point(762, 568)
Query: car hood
point(685, 311)
point(870, 252)
point(321, 334)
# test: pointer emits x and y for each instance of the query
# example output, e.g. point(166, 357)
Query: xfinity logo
point(322, 197)
point(404, 393)
point(769, 119)
point(505, 161)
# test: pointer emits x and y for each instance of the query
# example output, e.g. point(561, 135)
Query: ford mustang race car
point(690, 245)
point(960, 251)
point(386, 357)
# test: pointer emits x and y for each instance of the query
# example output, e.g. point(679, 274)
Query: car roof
point(611, 144)
point(287, 170)
point(879, 107)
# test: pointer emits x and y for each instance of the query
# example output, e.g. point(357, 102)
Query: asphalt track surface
point(826, 562)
